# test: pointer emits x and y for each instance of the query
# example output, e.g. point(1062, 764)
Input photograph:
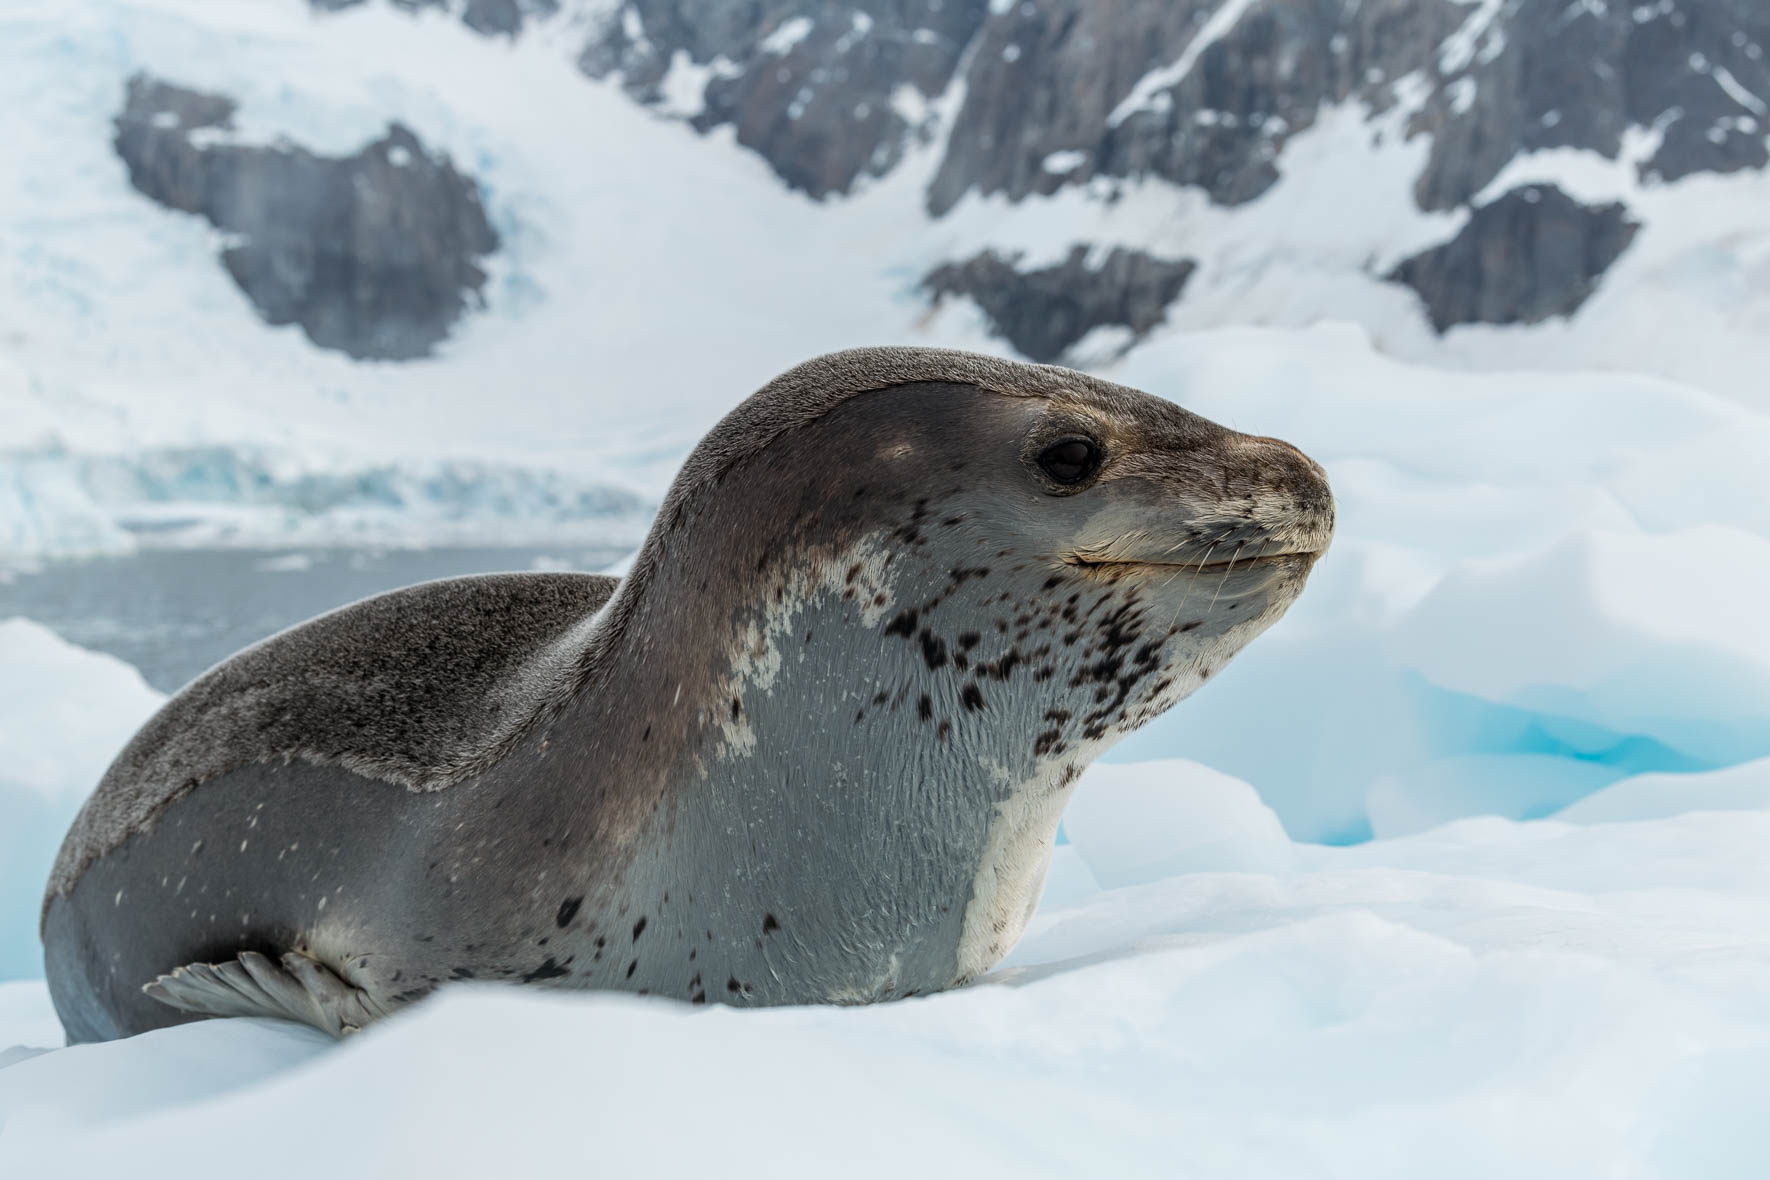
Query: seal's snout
point(1290, 494)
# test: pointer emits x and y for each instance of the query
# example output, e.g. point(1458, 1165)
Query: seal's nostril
point(1302, 486)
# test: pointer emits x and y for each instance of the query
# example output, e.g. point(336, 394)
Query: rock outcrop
point(1045, 311)
point(1532, 254)
point(827, 93)
point(375, 254)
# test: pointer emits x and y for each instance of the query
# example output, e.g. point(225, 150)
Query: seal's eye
point(1070, 461)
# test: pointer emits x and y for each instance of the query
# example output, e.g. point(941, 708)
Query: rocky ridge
point(1208, 93)
point(1021, 99)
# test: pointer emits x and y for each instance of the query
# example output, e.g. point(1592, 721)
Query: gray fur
point(416, 687)
point(412, 688)
point(814, 748)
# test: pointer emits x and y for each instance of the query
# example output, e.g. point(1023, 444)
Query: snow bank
point(64, 714)
point(1665, 636)
point(1541, 585)
point(1487, 999)
point(1140, 823)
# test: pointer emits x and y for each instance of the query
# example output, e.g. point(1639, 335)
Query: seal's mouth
point(1209, 563)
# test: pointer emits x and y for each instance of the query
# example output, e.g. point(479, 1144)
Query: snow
point(787, 36)
point(1145, 93)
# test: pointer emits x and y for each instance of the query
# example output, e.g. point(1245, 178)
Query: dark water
point(173, 614)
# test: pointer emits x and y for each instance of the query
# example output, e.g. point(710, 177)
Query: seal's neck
point(850, 782)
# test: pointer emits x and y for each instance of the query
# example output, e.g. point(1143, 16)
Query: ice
point(1656, 796)
point(1664, 636)
point(1140, 823)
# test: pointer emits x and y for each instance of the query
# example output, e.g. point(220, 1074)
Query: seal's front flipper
point(297, 988)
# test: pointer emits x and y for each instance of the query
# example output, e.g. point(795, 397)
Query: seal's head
point(979, 499)
point(928, 588)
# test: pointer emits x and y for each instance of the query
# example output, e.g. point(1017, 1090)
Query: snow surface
point(1492, 998)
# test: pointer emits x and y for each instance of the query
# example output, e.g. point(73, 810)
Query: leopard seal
point(813, 748)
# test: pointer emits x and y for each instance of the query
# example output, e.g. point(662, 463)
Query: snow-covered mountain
point(547, 243)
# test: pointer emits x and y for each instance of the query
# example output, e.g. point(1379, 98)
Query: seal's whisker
point(1229, 569)
point(1189, 581)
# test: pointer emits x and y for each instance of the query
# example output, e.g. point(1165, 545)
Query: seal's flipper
point(298, 988)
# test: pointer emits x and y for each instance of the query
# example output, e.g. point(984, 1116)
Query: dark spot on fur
point(638, 929)
point(903, 624)
point(944, 731)
point(547, 970)
point(972, 696)
point(925, 707)
point(1047, 741)
point(968, 640)
point(647, 736)
point(933, 648)
point(732, 985)
point(568, 909)
point(1054, 581)
point(880, 697)
point(736, 708)
point(1192, 626)
point(769, 924)
point(461, 973)
point(632, 967)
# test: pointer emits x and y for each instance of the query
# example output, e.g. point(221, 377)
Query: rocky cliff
point(1207, 94)
point(375, 254)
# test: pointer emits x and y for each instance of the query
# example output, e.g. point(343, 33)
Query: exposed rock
point(825, 92)
point(1532, 254)
point(1044, 312)
point(482, 16)
point(1179, 90)
point(373, 254)
point(1548, 74)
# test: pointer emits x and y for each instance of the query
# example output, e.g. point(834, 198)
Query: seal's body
point(813, 749)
